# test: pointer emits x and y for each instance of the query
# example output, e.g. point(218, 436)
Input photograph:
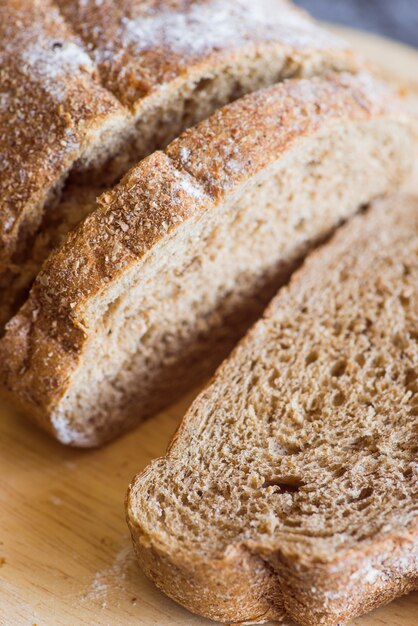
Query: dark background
point(394, 18)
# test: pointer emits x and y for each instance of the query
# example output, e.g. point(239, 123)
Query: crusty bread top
point(50, 102)
point(44, 341)
point(54, 55)
point(302, 450)
point(140, 45)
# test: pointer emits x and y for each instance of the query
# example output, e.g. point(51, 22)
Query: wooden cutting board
point(65, 552)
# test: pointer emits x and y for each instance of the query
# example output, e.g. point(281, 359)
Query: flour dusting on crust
point(55, 63)
point(209, 26)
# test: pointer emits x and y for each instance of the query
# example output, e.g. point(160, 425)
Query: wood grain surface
point(65, 552)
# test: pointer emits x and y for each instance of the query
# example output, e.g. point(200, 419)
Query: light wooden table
point(65, 552)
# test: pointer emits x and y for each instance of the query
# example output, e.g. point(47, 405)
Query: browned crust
point(51, 103)
point(248, 586)
point(251, 582)
point(44, 342)
point(236, 587)
point(140, 45)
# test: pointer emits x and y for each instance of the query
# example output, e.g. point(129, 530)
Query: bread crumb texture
point(290, 488)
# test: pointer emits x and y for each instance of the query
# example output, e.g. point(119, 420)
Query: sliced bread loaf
point(89, 91)
point(153, 288)
point(290, 489)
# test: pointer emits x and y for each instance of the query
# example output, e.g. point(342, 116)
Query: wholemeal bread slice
point(153, 288)
point(290, 489)
point(88, 91)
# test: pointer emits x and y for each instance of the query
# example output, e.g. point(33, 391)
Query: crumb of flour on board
point(109, 582)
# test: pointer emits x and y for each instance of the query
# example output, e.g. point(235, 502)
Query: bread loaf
point(91, 88)
point(154, 287)
point(290, 489)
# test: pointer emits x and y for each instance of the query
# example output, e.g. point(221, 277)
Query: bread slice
point(89, 91)
point(155, 286)
point(290, 489)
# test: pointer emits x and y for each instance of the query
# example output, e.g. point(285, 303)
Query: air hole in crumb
point(203, 84)
point(363, 505)
point(379, 361)
point(338, 399)
point(404, 300)
point(289, 484)
point(408, 472)
point(300, 225)
point(360, 359)
point(366, 441)
point(254, 380)
point(340, 472)
point(366, 492)
point(312, 357)
point(410, 376)
point(339, 368)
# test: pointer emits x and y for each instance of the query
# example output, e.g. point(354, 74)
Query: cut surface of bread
point(290, 489)
point(90, 88)
point(155, 286)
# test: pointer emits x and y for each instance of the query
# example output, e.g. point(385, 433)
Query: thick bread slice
point(163, 67)
point(290, 489)
point(159, 281)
